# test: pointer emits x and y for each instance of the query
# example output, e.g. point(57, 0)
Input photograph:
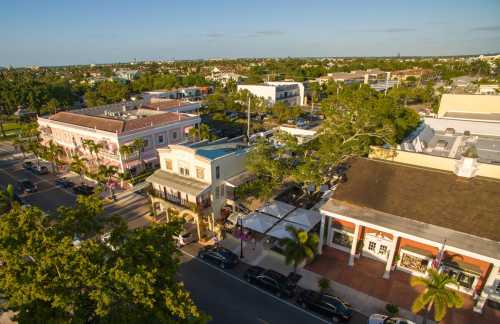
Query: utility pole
point(248, 119)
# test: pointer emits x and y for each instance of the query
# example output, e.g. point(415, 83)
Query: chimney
point(467, 166)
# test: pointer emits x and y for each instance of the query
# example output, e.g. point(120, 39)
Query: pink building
point(114, 126)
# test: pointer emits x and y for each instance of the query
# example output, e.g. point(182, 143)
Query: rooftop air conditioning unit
point(466, 133)
point(449, 131)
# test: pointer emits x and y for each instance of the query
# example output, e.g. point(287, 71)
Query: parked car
point(64, 183)
point(83, 189)
point(384, 319)
point(220, 256)
point(40, 170)
point(186, 236)
point(26, 186)
point(28, 165)
point(273, 281)
point(326, 305)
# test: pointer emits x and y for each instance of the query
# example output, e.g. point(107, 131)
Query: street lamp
point(241, 237)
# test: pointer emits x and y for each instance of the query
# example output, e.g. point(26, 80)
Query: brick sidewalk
point(366, 277)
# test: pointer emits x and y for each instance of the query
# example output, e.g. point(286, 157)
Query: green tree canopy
point(57, 269)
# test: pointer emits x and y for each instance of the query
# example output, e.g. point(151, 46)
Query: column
point(488, 288)
point(354, 245)
point(329, 231)
point(321, 234)
point(390, 258)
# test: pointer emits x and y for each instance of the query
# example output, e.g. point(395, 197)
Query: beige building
point(196, 181)
point(470, 107)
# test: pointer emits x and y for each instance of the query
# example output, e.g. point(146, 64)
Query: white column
point(329, 231)
point(488, 288)
point(354, 245)
point(321, 232)
point(390, 259)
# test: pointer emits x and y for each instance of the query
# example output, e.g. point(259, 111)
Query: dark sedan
point(83, 189)
point(273, 281)
point(26, 186)
point(220, 256)
point(64, 183)
point(326, 305)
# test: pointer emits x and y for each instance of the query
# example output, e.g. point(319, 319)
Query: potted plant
point(392, 310)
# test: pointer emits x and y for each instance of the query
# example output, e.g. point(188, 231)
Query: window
point(222, 190)
point(464, 279)
point(414, 263)
point(216, 192)
point(342, 239)
point(184, 171)
point(371, 246)
point(217, 172)
point(497, 288)
point(168, 164)
point(160, 139)
point(382, 249)
point(146, 144)
point(174, 135)
point(200, 173)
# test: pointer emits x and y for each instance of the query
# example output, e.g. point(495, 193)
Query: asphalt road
point(48, 197)
point(228, 299)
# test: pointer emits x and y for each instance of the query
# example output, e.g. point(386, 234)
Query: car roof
point(274, 274)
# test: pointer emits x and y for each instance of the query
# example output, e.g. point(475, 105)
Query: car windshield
point(335, 302)
point(27, 184)
point(225, 254)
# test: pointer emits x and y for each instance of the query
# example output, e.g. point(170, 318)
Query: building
point(403, 216)
point(173, 105)
point(190, 93)
point(223, 76)
point(416, 73)
point(470, 107)
point(382, 86)
point(489, 89)
point(451, 138)
point(127, 74)
point(289, 93)
point(114, 126)
point(196, 181)
point(358, 76)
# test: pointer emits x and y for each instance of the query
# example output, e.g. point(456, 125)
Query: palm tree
point(53, 151)
point(138, 145)
point(105, 173)
point(436, 295)
point(125, 152)
point(300, 247)
point(93, 148)
point(78, 165)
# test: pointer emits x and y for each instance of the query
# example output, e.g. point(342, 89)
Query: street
point(228, 299)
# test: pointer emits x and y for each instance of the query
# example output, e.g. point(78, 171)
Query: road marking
point(254, 287)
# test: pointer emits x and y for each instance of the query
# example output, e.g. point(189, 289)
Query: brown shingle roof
point(431, 196)
point(100, 123)
point(115, 125)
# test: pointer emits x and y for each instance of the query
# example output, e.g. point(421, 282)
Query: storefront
point(414, 261)
point(342, 238)
point(467, 275)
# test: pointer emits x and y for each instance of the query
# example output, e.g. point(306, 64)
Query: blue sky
point(53, 32)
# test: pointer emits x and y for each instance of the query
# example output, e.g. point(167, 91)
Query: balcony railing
point(174, 199)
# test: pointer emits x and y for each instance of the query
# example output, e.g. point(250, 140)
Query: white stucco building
point(290, 93)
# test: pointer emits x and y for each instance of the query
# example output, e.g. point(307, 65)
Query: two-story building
point(113, 126)
point(192, 181)
point(289, 93)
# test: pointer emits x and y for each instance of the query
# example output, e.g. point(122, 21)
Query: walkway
point(366, 277)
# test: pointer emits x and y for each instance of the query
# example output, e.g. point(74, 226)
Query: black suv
point(273, 281)
point(220, 256)
point(326, 305)
point(83, 189)
point(64, 183)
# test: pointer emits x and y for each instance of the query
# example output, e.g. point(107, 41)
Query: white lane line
point(254, 287)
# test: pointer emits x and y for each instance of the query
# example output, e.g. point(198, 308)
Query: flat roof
point(178, 182)
point(424, 195)
point(495, 117)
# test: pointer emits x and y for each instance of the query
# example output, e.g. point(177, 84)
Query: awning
point(280, 230)
point(306, 217)
point(277, 208)
point(239, 179)
point(259, 222)
point(150, 159)
point(177, 182)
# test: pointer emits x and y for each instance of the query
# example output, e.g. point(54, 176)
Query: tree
point(435, 294)
point(52, 153)
point(93, 148)
point(105, 173)
point(300, 247)
point(7, 198)
point(202, 132)
point(57, 269)
point(324, 285)
point(79, 166)
point(138, 146)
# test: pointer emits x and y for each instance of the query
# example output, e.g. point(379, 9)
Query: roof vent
point(466, 133)
point(441, 145)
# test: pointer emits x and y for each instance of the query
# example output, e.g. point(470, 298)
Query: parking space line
point(254, 287)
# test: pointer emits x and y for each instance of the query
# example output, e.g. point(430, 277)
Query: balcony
point(201, 207)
